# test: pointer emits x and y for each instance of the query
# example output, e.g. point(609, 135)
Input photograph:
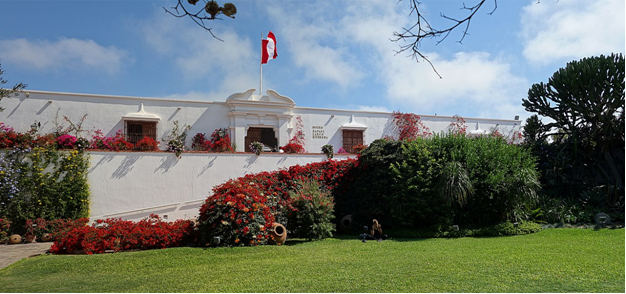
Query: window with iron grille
point(137, 130)
point(352, 138)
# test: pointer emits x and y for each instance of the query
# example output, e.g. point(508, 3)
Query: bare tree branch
point(207, 12)
point(421, 29)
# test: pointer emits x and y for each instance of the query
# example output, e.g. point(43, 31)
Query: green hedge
point(432, 183)
point(43, 183)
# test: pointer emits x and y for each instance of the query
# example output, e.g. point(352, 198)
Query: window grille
point(351, 139)
point(137, 130)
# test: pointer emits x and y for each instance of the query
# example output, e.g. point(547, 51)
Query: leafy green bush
point(364, 194)
point(431, 183)
point(313, 211)
point(50, 184)
point(4, 230)
point(502, 229)
point(241, 211)
point(508, 229)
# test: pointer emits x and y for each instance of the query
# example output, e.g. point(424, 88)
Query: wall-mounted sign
point(318, 132)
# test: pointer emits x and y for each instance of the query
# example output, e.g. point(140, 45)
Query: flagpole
point(261, 66)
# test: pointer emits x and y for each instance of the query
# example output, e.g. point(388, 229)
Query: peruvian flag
point(268, 48)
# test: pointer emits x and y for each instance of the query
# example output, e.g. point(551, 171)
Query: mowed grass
point(555, 260)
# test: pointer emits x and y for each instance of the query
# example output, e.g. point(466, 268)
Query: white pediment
point(271, 97)
point(478, 131)
point(247, 103)
point(353, 125)
point(141, 115)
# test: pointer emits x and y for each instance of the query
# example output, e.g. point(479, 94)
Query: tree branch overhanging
point(422, 29)
point(207, 12)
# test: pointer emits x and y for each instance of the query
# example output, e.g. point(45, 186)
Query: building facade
point(133, 185)
point(271, 119)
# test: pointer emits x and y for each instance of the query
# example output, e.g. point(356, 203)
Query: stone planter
point(15, 239)
point(345, 224)
point(47, 237)
point(279, 234)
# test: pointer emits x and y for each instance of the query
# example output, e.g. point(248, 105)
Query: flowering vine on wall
point(410, 126)
point(43, 183)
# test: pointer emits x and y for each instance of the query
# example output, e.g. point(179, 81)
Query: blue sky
point(331, 54)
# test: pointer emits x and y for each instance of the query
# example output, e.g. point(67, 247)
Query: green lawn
point(554, 260)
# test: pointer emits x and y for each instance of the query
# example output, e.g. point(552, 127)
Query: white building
point(132, 185)
point(270, 119)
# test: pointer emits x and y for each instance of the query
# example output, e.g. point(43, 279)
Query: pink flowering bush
point(296, 143)
point(114, 143)
point(410, 126)
point(458, 127)
point(66, 141)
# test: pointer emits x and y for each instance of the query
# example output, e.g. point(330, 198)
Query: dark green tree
point(7, 92)
point(585, 99)
point(584, 102)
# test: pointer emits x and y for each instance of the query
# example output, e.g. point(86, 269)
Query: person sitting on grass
point(375, 234)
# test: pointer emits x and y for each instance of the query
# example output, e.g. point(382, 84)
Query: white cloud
point(228, 66)
point(469, 78)
point(473, 82)
point(572, 29)
point(316, 44)
point(73, 54)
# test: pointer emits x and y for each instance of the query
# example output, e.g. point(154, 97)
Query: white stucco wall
point(132, 185)
point(239, 112)
point(105, 112)
point(379, 125)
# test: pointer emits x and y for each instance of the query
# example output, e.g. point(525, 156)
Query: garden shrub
point(292, 148)
point(328, 151)
point(5, 225)
point(199, 142)
point(37, 227)
point(312, 213)
point(370, 182)
point(176, 138)
point(43, 183)
point(504, 177)
point(220, 141)
point(409, 126)
point(429, 184)
point(508, 229)
point(117, 234)
point(147, 144)
point(114, 143)
point(238, 213)
point(61, 227)
point(66, 141)
point(9, 138)
point(502, 229)
point(414, 199)
point(242, 210)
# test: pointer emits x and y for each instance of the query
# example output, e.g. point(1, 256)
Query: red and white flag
point(268, 47)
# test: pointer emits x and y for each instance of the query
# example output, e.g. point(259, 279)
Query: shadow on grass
point(391, 238)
